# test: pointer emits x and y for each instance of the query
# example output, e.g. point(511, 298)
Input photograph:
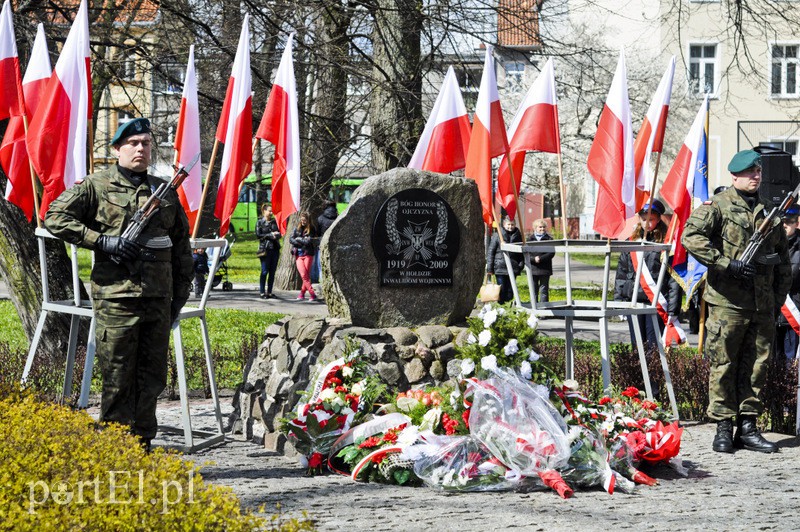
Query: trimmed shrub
point(63, 471)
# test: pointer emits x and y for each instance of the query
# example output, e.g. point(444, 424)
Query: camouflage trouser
point(132, 343)
point(738, 344)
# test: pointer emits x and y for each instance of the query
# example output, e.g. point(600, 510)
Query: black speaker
point(779, 175)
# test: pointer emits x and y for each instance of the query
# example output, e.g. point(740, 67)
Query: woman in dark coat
point(269, 249)
point(541, 263)
point(653, 229)
point(496, 264)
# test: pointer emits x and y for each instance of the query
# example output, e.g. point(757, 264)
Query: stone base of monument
point(294, 348)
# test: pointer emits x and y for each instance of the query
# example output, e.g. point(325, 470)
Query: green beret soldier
point(742, 301)
point(136, 300)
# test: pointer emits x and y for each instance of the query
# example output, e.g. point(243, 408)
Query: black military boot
point(748, 437)
point(723, 441)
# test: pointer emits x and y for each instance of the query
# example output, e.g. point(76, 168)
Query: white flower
point(347, 411)
point(456, 395)
point(407, 404)
point(533, 356)
point(431, 419)
point(486, 308)
point(447, 480)
point(327, 394)
point(357, 389)
point(574, 432)
point(484, 337)
point(467, 366)
point(489, 318)
point(607, 426)
point(303, 461)
point(471, 339)
point(525, 370)
point(533, 321)
point(408, 436)
point(500, 311)
point(321, 415)
point(571, 384)
point(337, 401)
point(489, 363)
point(347, 371)
point(511, 347)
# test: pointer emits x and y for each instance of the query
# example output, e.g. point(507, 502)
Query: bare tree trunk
point(287, 276)
point(19, 270)
point(396, 109)
point(328, 132)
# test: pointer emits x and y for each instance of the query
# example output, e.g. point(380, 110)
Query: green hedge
point(61, 471)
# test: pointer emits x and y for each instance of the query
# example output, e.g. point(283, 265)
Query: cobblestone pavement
point(739, 491)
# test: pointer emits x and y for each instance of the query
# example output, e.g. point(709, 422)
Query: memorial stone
point(408, 251)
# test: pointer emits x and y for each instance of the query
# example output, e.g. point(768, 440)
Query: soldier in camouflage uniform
point(742, 301)
point(136, 300)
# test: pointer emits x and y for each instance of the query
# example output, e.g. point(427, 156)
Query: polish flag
point(13, 150)
point(444, 143)
point(11, 99)
point(235, 131)
point(488, 137)
point(535, 128)
point(791, 313)
point(673, 332)
point(58, 130)
point(280, 126)
point(678, 187)
point(187, 142)
point(650, 138)
point(611, 159)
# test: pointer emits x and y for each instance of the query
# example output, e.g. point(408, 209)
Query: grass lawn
point(560, 294)
point(232, 333)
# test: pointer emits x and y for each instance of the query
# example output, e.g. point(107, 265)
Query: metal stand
point(196, 440)
point(602, 310)
point(77, 309)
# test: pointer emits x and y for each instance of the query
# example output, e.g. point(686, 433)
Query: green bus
point(257, 190)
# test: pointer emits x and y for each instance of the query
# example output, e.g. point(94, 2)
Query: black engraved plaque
point(415, 238)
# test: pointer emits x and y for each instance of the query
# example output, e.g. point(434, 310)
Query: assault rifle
point(764, 229)
point(142, 216)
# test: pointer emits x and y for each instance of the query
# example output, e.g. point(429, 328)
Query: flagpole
point(205, 189)
point(90, 131)
point(516, 195)
point(563, 194)
point(33, 178)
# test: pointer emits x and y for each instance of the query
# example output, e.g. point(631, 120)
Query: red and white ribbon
point(673, 332)
point(791, 313)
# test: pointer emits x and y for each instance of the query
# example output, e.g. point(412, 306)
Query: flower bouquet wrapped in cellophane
point(516, 422)
point(462, 463)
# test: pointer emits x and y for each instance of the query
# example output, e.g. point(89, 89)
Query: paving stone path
point(740, 491)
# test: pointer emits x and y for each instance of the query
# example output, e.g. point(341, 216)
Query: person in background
point(324, 221)
point(269, 249)
point(742, 298)
point(496, 264)
point(785, 337)
point(652, 229)
point(541, 263)
point(303, 249)
point(200, 259)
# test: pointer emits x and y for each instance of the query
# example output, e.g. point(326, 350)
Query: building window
point(469, 80)
point(127, 69)
point(122, 117)
point(789, 145)
point(784, 70)
point(703, 68)
point(514, 73)
point(169, 78)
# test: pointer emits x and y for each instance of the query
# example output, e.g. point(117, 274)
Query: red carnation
point(631, 391)
point(369, 443)
point(605, 400)
point(649, 405)
point(340, 389)
point(465, 417)
point(315, 461)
